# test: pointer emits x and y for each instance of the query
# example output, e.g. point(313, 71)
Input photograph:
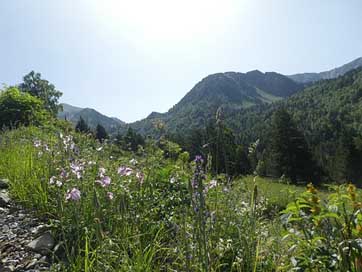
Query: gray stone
point(43, 244)
point(4, 183)
point(4, 199)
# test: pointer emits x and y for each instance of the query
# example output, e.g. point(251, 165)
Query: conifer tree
point(82, 126)
point(288, 149)
point(101, 133)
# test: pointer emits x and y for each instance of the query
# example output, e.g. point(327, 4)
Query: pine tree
point(101, 133)
point(289, 153)
point(82, 126)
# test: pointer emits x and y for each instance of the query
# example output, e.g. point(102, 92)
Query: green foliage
point(18, 109)
point(134, 211)
point(289, 154)
point(42, 89)
point(130, 141)
point(82, 126)
point(328, 113)
point(101, 133)
point(324, 236)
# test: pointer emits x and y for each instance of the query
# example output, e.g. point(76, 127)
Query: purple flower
point(105, 181)
point(73, 194)
point(124, 171)
point(63, 174)
point(77, 169)
point(110, 195)
point(199, 159)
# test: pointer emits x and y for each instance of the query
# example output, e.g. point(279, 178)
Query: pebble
point(4, 183)
point(16, 225)
point(4, 199)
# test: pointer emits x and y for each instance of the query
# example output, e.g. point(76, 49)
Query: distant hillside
point(334, 73)
point(91, 116)
point(230, 90)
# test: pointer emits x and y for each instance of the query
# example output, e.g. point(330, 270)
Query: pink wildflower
point(105, 181)
point(73, 194)
point(124, 171)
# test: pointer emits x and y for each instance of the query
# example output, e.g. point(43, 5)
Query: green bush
point(19, 108)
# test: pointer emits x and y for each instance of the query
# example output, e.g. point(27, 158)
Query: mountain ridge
point(91, 116)
point(231, 90)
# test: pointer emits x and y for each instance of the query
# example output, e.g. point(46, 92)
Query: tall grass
point(113, 210)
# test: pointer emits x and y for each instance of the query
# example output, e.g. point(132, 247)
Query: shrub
point(19, 108)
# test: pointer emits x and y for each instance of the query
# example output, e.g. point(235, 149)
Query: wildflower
point(110, 195)
point(199, 159)
point(77, 169)
point(91, 163)
point(311, 189)
point(68, 142)
point(133, 161)
point(37, 143)
point(172, 180)
point(105, 181)
point(52, 180)
point(357, 205)
point(59, 183)
point(73, 194)
point(46, 147)
point(63, 174)
point(212, 184)
point(124, 171)
point(141, 177)
point(101, 172)
point(351, 189)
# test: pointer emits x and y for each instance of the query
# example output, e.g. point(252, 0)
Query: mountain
point(230, 90)
point(334, 73)
point(91, 116)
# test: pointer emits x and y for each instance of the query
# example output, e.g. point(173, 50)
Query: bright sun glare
point(164, 20)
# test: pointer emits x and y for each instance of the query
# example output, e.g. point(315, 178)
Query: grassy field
point(115, 210)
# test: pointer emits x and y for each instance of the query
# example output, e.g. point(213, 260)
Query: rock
point(4, 183)
point(4, 199)
point(43, 244)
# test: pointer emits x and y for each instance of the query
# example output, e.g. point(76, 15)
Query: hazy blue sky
point(129, 58)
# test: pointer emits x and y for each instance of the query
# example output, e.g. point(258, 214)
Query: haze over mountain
point(339, 71)
point(91, 116)
point(231, 90)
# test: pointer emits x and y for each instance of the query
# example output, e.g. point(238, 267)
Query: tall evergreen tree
point(132, 140)
point(101, 133)
point(289, 153)
point(82, 126)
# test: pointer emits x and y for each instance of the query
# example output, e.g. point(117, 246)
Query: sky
point(127, 58)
